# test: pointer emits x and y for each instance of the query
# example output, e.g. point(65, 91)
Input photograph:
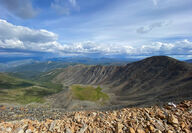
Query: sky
point(103, 28)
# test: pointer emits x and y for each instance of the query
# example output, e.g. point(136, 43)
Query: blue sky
point(101, 27)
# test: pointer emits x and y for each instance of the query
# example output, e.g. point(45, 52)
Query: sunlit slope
point(15, 90)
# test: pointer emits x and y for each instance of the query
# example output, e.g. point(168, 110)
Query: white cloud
point(155, 48)
point(24, 34)
point(11, 43)
point(179, 47)
point(20, 37)
point(12, 36)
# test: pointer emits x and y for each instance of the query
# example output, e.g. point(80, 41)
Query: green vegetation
point(89, 93)
point(14, 90)
point(8, 82)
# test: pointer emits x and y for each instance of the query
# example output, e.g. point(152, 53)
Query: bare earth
point(155, 119)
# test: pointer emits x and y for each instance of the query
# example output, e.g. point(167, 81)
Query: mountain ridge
point(158, 78)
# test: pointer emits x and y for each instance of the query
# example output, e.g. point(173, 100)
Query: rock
point(77, 117)
point(190, 111)
point(68, 130)
point(8, 129)
point(169, 131)
point(140, 131)
point(119, 127)
point(158, 131)
point(131, 130)
point(130, 120)
point(182, 125)
point(159, 125)
point(187, 131)
point(52, 126)
point(20, 131)
point(28, 131)
point(83, 129)
point(148, 117)
point(172, 104)
point(172, 119)
point(151, 128)
point(161, 115)
point(94, 114)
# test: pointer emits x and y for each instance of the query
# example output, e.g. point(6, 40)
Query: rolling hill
point(20, 91)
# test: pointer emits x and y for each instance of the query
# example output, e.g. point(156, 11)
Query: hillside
point(19, 91)
point(152, 80)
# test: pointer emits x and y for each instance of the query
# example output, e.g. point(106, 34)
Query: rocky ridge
point(169, 118)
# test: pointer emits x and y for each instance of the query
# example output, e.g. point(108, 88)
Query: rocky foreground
point(170, 118)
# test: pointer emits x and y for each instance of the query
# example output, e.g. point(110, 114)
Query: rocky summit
point(170, 118)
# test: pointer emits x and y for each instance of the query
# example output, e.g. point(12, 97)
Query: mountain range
point(153, 80)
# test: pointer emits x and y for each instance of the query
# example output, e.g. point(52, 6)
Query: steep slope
point(158, 78)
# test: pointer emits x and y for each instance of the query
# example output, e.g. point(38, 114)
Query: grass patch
point(89, 93)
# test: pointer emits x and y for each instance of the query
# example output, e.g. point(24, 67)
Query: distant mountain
point(13, 64)
point(94, 61)
point(15, 59)
point(30, 69)
point(158, 78)
point(34, 69)
point(189, 61)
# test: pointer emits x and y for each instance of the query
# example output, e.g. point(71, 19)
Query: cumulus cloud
point(163, 48)
point(20, 8)
point(20, 37)
point(64, 6)
point(148, 28)
point(183, 47)
point(12, 36)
